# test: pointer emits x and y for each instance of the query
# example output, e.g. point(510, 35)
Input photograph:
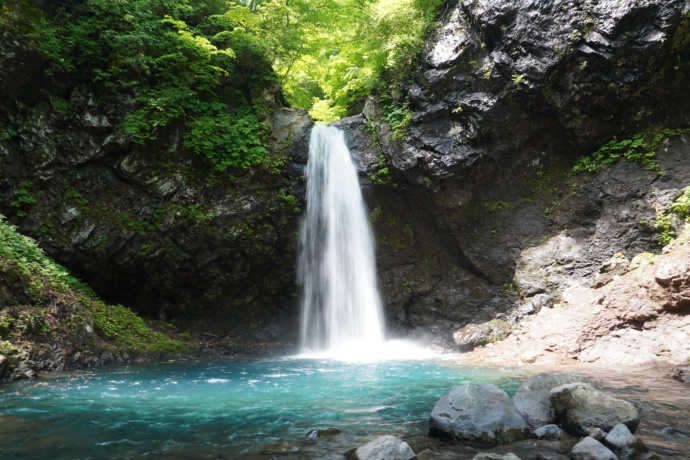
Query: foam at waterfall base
point(367, 351)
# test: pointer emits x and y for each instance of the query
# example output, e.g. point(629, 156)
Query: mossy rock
point(475, 335)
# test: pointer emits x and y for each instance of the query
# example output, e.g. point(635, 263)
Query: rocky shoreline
point(637, 314)
point(552, 416)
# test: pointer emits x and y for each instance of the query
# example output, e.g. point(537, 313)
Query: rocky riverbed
point(638, 414)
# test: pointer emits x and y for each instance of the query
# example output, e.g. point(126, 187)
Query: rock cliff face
point(480, 215)
point(475, 208)
point(146, 225)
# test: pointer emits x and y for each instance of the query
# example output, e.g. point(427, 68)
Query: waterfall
point(341, 305)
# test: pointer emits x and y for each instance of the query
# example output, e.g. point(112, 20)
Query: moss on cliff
point(42, 306)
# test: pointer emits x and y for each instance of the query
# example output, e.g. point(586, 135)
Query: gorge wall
point(480, 215)
point(475, 208)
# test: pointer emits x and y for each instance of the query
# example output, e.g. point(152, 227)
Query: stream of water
point(341, 306)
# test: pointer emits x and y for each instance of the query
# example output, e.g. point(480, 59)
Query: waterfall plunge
point(341, 307)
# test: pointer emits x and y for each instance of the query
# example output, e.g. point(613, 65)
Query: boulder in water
point(382, 448)
point(621, 440)
point(532, 398)
point(681, 373)
point(480, 414)
point(580, 407)
point(591, 449)
point(319, 433)
point(495, 456)
point(596, 433)
point(551, 456)
point(281, 448)
point(548, 433)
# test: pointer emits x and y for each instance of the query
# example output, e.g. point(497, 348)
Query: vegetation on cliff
point(45, 306)
point(188, 64)
point(208, 64)
point(640, 148)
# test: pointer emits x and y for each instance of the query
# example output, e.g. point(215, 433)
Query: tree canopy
point(206, 65)
point(329, 54)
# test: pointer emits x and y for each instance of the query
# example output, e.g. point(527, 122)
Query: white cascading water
point(341, 306)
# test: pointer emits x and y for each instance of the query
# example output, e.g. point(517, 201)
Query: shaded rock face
point(500, 75)
point(149, 226)
point(477, 216)
point(479, 414)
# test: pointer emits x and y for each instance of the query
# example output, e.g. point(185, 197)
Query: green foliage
point(22, 199)
point(330, 54)
point(203, 66)
point(129, 330)
point(408, 288)
point(382, 175)
point(41, 274)
point(31, 263)
point(517, 79)
point(664, 228)
point(493, 206)
point(228, 141)
point(681, 205)
point(194, 213)
point(397, 115)
point(640, 148)
point(289, 201)
point(678, 211)
point(191, 64)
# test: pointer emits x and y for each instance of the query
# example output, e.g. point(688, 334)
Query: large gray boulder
point(591, 449)
point(579, 407)
point(480, 414)
point(532, 398)
point(382, 448)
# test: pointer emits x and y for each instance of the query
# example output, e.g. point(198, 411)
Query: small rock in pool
point(551, 456)
point(283, 447)
point(382, 448)
point(596, 433)
point(681, 373)
point(548, 433)
point(492, 456)
point(621, 439)
point(319, 433)
point(591, 449)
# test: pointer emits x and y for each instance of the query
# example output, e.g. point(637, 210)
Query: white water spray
point(341, 306)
